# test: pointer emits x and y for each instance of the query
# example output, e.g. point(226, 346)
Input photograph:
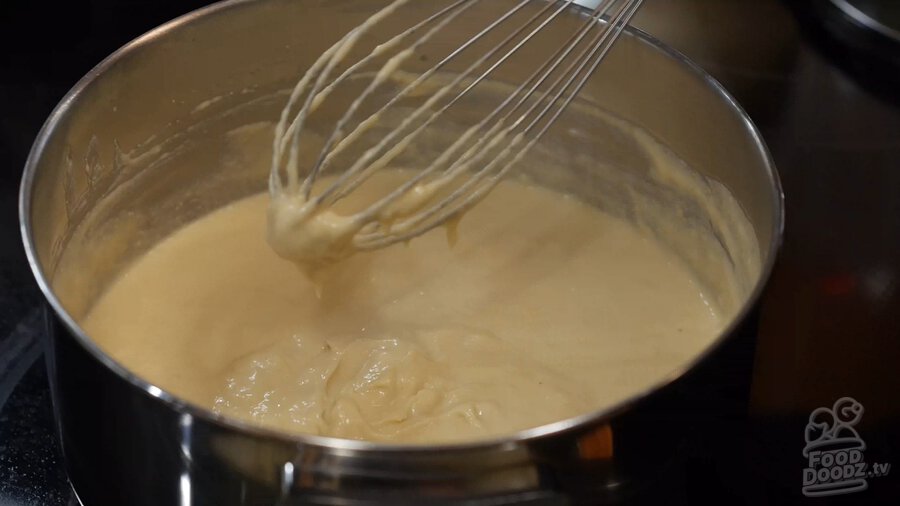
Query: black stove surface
point(31, 470)
point(830, 321)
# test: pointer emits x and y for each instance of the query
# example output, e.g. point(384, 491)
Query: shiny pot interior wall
point(181, 124)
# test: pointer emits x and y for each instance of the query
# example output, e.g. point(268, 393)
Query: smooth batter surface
point(544, 309)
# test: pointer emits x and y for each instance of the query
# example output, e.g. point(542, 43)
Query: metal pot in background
point(159, 115)
point(861, 36)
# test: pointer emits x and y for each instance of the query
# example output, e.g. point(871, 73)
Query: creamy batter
point(546, 308)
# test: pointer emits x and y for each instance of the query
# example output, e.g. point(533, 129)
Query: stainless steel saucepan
point(178, 123)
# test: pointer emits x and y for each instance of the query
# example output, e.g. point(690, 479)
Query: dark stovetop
point(830, 321)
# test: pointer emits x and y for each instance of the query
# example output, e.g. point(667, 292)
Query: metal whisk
point(475, 162)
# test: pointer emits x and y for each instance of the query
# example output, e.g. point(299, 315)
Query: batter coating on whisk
point(302, 226)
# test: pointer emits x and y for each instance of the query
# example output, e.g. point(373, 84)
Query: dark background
point(830, 321)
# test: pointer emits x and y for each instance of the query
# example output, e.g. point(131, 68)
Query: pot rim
point(497, 443)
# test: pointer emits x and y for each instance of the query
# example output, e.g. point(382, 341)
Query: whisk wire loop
point(475, 162)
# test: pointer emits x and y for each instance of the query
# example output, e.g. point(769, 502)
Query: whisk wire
point(451, 11)
point(442, 211)
point(282, 133)
point(361, 169)
point(497, 141)
point(460, 165)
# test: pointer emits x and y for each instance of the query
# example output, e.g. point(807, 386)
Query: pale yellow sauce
point(545, 309)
